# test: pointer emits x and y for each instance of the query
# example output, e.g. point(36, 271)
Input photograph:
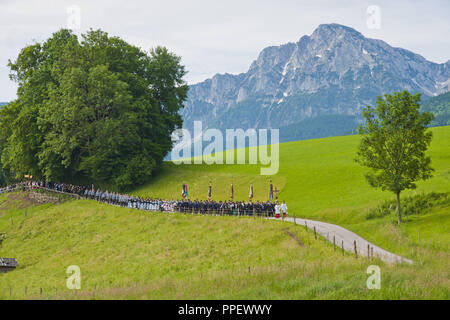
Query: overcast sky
point(221, 36)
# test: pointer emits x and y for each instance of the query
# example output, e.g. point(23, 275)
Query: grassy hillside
point(126, 253)
point(318, 179)
point(131, 254)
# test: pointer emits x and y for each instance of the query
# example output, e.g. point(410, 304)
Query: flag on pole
point(271, 192)
point(186, 190)
point(231, 189)
point(209, 192)
point(251, 192)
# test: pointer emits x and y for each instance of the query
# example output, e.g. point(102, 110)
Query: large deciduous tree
point(394, 143)
point(96, 108)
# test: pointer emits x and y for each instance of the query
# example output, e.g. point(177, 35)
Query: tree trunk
point(399, 211)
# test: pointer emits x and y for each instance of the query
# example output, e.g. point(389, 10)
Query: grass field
point(130, 254)
point(318, 179)
point(126, 253)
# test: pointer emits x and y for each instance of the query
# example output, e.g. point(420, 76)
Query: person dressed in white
point(277, 210)
point(284, 209)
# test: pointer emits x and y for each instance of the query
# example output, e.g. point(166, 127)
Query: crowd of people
point(8, 188)
point(266, 209)
point(105, 196)
point(238, 208)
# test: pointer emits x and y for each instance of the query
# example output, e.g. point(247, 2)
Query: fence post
point(315, 235)
point(356, 253)
point(342, 247)
point(306, 227)
point(368, 251)
point(294, 219)
point(334, 243)
point(371, 249)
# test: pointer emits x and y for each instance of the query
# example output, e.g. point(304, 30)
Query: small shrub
point(417, 204)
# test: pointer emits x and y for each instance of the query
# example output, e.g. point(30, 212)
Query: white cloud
point(221, 36)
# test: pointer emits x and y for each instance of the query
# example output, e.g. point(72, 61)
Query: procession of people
point(228, 207)
point(236, 208)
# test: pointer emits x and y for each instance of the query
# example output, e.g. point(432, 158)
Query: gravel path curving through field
point(346, 238)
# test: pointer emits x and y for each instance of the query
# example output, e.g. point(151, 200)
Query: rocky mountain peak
point(335, 31)
point(333, 72)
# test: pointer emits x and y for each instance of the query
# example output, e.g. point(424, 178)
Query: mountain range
point(314, 87)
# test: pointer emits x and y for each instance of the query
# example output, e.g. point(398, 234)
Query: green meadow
point(318, 179)
point(130, 254)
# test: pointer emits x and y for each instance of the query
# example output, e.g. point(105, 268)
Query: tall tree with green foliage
point(95, 107)
point(394, 143)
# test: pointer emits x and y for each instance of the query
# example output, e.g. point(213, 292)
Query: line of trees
point(91, 109)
